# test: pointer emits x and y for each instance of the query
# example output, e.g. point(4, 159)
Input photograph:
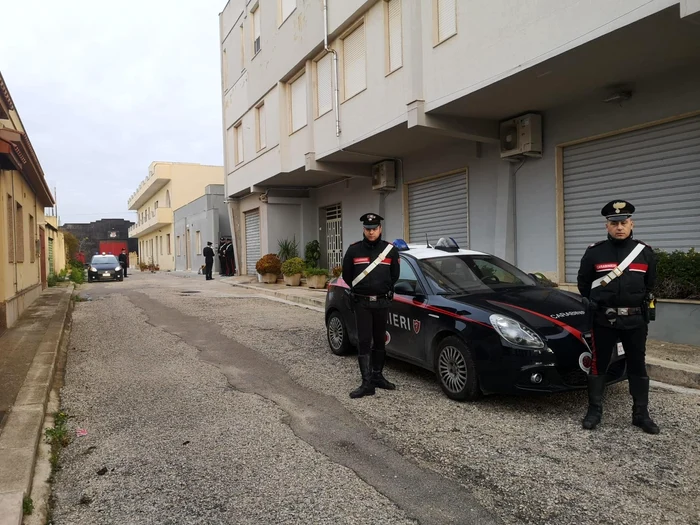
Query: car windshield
point(105, 259)
point(457, 274)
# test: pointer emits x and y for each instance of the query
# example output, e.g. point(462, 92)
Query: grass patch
point(58, 438)
point(78, 299)
point(27, 506)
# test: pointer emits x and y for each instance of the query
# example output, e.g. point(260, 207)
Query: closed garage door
point(252, 240)
point(657, 169)
point(439, 208)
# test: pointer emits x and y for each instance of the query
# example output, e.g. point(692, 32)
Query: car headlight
point(515, 332)
point(117, 268)
point(93, 269)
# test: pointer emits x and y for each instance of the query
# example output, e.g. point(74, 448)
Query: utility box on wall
point(521, 137)
point(384, 175)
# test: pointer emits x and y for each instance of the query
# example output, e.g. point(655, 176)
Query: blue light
point(400, 245)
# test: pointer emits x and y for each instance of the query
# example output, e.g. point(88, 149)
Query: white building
point(431, 85)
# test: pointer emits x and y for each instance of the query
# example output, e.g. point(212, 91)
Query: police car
point(479, 323)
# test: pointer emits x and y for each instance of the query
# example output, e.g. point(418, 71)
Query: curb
point(291, 297)
point(20, 436)
point(673, 373)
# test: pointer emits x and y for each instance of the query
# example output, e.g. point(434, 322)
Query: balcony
point(159, 218)
point(148, 188)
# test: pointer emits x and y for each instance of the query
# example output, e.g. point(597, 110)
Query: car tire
point(455, 370)
point(337, 334)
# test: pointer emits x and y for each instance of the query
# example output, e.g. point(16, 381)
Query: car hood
point(105, 266)
point(547, 310)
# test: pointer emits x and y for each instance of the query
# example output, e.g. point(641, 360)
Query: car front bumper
point(105, 275)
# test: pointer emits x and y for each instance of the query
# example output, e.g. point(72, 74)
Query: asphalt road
point(206, 404)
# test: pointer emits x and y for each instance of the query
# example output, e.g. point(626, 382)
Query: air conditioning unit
point(384, 175)
point(521, 137)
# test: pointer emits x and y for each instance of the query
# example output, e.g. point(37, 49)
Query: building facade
point(506, 127)
point(203, 220)
point(24, 195)
point(94, 236)
point(169, 186)
point(56, 257)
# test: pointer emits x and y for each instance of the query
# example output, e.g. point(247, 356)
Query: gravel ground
point(524, 458)
point(170, 442)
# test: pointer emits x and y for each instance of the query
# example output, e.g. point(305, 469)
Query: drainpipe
point(335, 68)
point(14, 228)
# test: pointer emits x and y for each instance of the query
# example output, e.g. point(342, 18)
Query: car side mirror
point(404, 288)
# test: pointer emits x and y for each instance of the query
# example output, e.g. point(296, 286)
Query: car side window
point(408, 281)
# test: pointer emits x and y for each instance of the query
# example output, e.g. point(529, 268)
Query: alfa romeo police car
point(479, 323)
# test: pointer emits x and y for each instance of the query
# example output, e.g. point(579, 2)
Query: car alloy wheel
point(337, 334)
point(456, 371)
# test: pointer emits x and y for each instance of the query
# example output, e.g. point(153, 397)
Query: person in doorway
point(208, 253)
point(616, 278)
point(371, 268)
point(124, 261)
point(230, 261)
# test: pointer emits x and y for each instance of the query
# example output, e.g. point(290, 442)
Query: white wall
point(284, 224)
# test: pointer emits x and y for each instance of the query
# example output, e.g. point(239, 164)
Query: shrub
point(77, 275)
point(337, 271)
point(292, 266)
point(51, 280)
point(269, 263)
point(311, 270)
point(288, 249)
point(677, 274)
point(312, 253)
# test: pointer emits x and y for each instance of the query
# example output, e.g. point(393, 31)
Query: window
point(260, 124)
point(32, 244)
point(287, 7)
point(354, 63)
point(224, 78)
point(11, 229)
point(230, 147)
point(408, 282)
point(20, 233)
point(242, 47)
point(238, 132)
point(297, 91)
point(155, 205)
point(255, 15)
point(446, 19)
point(198, 240)
point(178, 246)
point(167, 239)
point(160, 244)
point(394, 37)
point(324, 85)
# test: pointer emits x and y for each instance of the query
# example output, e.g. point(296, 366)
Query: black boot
point(639, 388)
point(596, 388)
point(366, 388)
point(378, 379)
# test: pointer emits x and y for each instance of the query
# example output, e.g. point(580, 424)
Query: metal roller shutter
point(252, 240)
point(440, 208)
point(657, 169)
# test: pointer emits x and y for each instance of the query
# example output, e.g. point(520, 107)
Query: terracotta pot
point(292, 280)
point(316, 281)
point(269, 278)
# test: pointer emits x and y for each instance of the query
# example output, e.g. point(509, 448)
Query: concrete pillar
point(504, 244)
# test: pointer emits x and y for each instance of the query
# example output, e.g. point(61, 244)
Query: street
point(206, 403)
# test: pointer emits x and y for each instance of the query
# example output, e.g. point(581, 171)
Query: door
point(51, 262)
point(334, 236)
point(439, 208)
point(188, 248)
point(406, 322)
point(658, 169)
point(42, 237)
point(252, 240)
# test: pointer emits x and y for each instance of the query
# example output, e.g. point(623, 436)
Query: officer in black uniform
point(617, 284)
point(222, 256)
point(371, 268)
point(230, 261)
point(123, 261)
point(208, 253)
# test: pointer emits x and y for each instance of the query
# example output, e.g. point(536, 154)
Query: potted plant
point(288, 249)
point(269, 267)
point(292, 270)
point(316, 277)
point(337, 271)
point(312, 253)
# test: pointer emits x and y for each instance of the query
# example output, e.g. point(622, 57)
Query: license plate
point(106, 274)
point(620, 349)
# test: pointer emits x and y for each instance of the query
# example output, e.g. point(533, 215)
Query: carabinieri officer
point(617, 276)
point(371, 268)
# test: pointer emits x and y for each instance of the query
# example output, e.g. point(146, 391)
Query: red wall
point(113, 247)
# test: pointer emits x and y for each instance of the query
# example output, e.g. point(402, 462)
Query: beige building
point(169, 186)
point(55, 256)
point(502, 124)
point(24, 195)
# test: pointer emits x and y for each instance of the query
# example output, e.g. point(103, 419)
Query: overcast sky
point(105, 88)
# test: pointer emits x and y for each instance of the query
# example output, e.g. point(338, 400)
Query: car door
point(407, 317)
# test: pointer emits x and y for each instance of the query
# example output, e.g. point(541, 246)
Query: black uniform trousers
point(371, 319)
point(208, 265)
point(605, 343)
point(124, 267)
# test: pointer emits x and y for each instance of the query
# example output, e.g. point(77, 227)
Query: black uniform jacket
point(208, 253)
point(380, 280)
point(122, 258)
point(628, 290)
